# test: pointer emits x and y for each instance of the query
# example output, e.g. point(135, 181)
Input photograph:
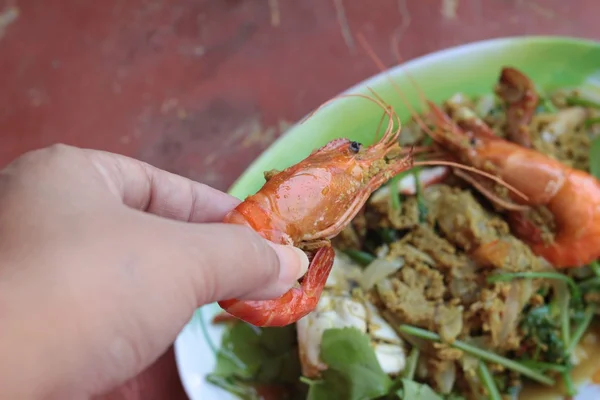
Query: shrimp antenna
point(378, 97)
point(420, 121)
point(488, 193)
point(383, 69)
point(390, 134)
point(476, 171)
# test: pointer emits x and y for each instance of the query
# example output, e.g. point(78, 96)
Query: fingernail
point(293, 263)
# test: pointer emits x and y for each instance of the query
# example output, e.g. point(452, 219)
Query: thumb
point(236, 262)
point(158, 272)
point(216, 261)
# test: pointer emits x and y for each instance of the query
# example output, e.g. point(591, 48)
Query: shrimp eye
point(355, 147)
point(473, 141)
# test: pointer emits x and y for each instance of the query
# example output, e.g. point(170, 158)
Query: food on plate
point(445, 284)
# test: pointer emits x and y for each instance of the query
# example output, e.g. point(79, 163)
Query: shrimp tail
point(292, 305)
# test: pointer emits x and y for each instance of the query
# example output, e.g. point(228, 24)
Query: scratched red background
point(201, 87)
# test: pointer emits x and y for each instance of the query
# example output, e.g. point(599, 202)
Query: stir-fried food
point(448, 285)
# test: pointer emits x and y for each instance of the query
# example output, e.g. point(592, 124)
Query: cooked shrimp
point(571, 196)
point(308, 204)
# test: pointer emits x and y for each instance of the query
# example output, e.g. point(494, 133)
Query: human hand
point(103, 260)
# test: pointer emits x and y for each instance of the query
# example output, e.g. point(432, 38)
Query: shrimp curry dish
point(456, 258)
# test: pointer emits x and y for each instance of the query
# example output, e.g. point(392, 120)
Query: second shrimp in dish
point(560, 219)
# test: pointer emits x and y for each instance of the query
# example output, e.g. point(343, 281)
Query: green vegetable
point(411, 363)
point(595, 266)
point(419, 193)
point(252, 356)
point(578, 101)
point(583, 326)
point(591, 121)
point(543, 366)
point(539, 326)
point(590, 284)
point(353, 371)
point(488, 382)
point(412, 390)
point(565, 317)
point(207, 337)
point(545, 104)
point(394, 191)
point(361, 257)
point(595, 157)
point(566, 376)
point(388, 235)
point(428, 141)
point(482, 354)
point(508, 276)
point(234, 386)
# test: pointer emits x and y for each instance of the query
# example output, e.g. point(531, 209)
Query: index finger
point(144, 187)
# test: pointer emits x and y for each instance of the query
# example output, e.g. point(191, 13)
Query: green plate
point(472, 69)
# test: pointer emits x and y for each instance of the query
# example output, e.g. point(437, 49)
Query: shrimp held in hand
point(308, 204)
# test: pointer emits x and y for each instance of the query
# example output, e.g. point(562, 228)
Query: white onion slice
point(379, 269)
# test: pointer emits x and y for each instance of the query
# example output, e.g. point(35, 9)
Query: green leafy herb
point(566, 376)
point(207, 337)
point(563, 300)
point(395, 191)
point(411, 363)
point(482, 354)
point(544, 366)
point(579, 101)
point(353, 371)
point(251, 357)
point(361, 257)
point(583, 326)
point(234, 385)
point(419, 193)
point(595, 157)
point(545, 104)
point(590, 283)
point(539, 326)
point(488, 382)
point(388, 235)
point(591, 121)
point(595, 267)
point(508, 276)
point(412, 390)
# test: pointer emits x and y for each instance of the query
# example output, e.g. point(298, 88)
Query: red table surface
point(202, 87)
